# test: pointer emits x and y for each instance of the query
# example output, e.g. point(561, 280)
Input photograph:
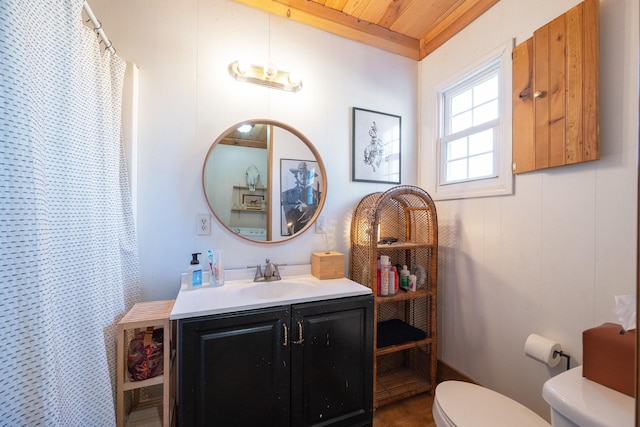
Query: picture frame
point(301, 184)
point(377, 144)
point(253, 201)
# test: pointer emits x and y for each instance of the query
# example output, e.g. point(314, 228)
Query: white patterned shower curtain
point(68, 251)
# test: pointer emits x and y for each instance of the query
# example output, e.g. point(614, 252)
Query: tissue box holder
point(327, 265)
point(609, 358)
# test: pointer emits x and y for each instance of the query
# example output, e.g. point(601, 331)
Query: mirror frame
point(271, 211)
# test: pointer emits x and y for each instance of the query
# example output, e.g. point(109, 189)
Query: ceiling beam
point(453, 23)
point(336, 22)
point(250, 143)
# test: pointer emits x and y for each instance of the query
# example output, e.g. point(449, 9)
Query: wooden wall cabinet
point(307, 364)
point(556, 92)
point(405, 334)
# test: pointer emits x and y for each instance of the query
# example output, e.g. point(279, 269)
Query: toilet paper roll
point(542, 349)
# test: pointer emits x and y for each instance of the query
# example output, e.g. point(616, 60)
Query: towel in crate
point(145, 358)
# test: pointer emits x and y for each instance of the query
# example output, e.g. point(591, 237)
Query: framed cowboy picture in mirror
point(300, 192)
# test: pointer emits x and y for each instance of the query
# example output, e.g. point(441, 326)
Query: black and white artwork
point(376, 146)
point(300, 192)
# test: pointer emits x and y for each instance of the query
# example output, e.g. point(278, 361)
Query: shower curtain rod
point(97, 27)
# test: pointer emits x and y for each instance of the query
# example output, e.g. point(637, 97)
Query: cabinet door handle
point(286, 335)
point(300, 339)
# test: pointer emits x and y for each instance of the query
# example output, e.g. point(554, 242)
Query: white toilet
point(577, 401)
point(462, 404)
point(574, 400)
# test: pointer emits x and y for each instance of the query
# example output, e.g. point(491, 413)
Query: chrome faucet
point(271, 272)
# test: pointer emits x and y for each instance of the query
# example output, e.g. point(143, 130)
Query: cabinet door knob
point(300, 339)
point(286, 335)
point(539, 94)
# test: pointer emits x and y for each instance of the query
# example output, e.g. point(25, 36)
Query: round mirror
point(264, 181)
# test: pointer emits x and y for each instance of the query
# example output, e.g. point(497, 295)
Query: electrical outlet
point(203, 224)
point(321, 225)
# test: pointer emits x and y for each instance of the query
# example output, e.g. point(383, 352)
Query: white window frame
point(502, 181)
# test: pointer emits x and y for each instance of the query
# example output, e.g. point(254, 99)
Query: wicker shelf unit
point(405, 363)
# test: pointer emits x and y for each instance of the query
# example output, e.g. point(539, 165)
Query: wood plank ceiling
point(412, 28)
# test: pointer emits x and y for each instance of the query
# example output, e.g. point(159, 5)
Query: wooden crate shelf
point(156, 411)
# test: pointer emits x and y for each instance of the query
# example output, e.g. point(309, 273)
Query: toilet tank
point(577, 401)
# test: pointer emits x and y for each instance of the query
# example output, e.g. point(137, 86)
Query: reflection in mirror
point(252, 174)
point(300, 187)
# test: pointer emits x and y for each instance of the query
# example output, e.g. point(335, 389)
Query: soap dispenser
point(194, 273)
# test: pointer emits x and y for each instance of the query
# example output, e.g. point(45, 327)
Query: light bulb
point(241, 68)
point(293, 79)
point(270, 71)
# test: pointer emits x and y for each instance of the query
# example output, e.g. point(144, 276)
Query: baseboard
point(446, 372)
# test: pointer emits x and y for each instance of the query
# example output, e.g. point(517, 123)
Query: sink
point(277, 289)
point(240, 293)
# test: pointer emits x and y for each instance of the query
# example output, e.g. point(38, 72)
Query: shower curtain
point(68, 251)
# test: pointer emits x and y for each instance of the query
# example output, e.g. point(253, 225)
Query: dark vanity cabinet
point(232, 370)
point(306, 364)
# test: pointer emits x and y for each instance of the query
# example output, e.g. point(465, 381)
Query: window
point(471, 119)
point(474, 141)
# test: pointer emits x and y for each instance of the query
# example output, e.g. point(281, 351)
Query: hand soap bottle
point(194, 273)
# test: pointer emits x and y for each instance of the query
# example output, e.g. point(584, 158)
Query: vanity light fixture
point(267, 75)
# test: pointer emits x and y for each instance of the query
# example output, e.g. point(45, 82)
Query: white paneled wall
point(550, 258)
point(187, 98)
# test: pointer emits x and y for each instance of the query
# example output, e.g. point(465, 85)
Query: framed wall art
point(376, 147)
point(300, 191)
point(253, 201)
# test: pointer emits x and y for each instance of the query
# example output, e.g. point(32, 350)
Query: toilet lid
point(467, 405)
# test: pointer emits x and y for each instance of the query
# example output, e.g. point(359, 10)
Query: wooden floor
point(410, 412)
point(413, 411)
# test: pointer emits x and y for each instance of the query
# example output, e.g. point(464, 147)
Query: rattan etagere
point(405, 348)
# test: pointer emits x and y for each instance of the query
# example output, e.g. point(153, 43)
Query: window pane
point(457, 149)
point(460, 103)
point(485, 91)
point(480, 166)
point(481, 142)
point(460, 122)
point(470, 112)
point(485, 113)
point(456, 170)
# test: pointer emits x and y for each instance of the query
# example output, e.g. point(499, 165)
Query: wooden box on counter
point(327, 265)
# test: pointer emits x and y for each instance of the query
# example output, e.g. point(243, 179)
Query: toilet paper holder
point(561, 354)
point(545, 350)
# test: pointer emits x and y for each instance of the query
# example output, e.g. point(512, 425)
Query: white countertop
point(240, 293)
